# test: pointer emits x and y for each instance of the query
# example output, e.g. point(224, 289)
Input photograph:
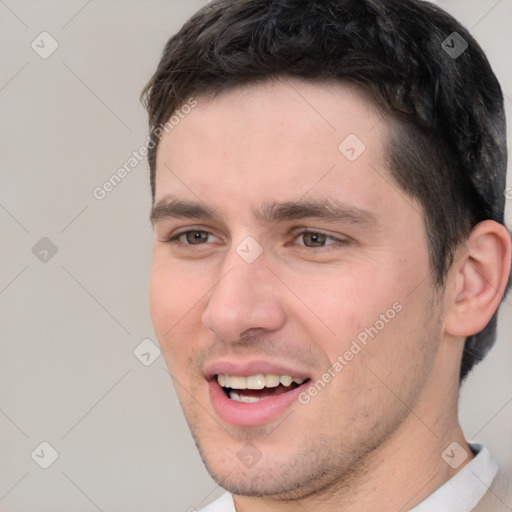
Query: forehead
point(273, 140)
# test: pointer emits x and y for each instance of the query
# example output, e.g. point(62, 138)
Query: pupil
point(197, 237)
point(314, 239)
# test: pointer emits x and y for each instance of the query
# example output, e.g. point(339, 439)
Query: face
point(290, 287)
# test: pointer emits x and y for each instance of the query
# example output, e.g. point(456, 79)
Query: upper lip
point(253, 367)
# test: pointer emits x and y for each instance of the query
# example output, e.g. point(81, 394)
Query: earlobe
point(478, 278)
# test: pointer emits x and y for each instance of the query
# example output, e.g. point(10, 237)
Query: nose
point(245, 301)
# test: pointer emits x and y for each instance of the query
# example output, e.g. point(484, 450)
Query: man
point(328, 182)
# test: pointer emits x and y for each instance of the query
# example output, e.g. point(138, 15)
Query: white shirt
point(459, 494)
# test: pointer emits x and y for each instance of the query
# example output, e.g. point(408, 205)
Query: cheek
point(161, 299)
point(174, 307)
point(373, 319)
point(347, 300)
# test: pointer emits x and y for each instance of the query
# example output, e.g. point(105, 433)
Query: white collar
point(466, 488)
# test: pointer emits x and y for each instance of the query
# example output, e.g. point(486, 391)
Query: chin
point(277, 475)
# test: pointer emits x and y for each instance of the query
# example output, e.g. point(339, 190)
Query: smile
point(253, 393)
point(254, 388)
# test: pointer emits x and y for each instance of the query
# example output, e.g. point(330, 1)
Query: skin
point(372, 439)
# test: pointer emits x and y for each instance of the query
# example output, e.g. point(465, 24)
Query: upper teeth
point(259, 381)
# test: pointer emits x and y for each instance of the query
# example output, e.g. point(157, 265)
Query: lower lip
point(254, 414)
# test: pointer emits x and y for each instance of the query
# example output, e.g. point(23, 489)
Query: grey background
point(69, 325)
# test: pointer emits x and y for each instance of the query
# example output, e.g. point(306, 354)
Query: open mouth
point(255, 388)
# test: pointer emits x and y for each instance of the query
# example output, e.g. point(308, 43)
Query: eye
point(195, 237)
point(312, 239)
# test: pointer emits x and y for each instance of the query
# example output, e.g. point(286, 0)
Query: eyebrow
point(328, 209)
point(171, 207)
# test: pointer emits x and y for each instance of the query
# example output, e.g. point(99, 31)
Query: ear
point(477, 279)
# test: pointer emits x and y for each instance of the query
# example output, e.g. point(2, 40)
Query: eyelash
point(335, 242)
point(330, 243)
point(176, 237)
